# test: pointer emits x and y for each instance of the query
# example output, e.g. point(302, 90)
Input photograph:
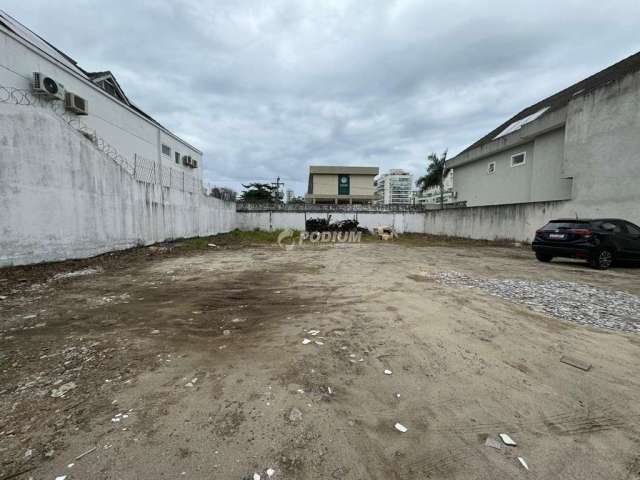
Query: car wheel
point(543, 257)
point(602, 260)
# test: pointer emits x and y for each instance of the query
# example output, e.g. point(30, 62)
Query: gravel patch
point(573, 302)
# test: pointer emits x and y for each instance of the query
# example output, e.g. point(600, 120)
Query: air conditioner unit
point(47, 87)
point(194, 163)
point(76, 104)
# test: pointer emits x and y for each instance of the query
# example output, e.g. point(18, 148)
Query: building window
point(632, 229)
point(518, 159)
point(491, 168)
point(177, 158)
point(166, 150)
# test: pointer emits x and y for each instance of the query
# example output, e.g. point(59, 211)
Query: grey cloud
point(267, 88)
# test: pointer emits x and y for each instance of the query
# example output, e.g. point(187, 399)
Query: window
point(632, 229)
point(177, 158)
point(166, 150)
point(565, 225)
point(610, 227)
point(518, 159)
point(491, 168)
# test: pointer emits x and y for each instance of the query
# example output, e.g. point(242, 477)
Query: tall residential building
point(290, 195)
point(394, 188)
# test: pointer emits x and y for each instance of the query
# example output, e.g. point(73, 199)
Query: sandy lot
point(192, 366)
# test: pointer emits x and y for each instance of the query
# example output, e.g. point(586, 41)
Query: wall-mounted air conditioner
point(76, 104)
point(47, 87)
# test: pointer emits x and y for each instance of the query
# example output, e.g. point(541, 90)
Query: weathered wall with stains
point(514, 222)
point(61, 198)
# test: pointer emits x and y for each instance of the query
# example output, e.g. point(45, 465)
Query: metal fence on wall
point(141, 169)
point(149, 171)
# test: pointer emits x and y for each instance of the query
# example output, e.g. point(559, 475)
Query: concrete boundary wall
point(61, 198)
point(516, 222)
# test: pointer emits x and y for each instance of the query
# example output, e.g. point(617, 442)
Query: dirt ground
point(191, 364)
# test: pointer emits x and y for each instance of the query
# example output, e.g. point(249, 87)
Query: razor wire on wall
point(150, 171)
point(141, 169)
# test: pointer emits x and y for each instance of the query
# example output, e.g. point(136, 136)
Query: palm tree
point(436, 171)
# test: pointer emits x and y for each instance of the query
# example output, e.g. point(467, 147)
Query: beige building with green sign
point(335, 184)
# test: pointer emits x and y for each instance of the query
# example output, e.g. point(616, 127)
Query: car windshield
point(565, 225)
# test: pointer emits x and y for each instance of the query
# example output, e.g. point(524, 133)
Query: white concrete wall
point(603, 149)
point(516, 222)
point(127, 131)
point(61, 198)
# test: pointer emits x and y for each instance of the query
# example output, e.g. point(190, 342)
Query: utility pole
point(277, 192)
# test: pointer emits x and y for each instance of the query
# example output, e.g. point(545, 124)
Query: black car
point(600, 241)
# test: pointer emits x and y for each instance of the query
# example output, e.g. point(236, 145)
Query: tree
point(260, 193)
point(436, 171)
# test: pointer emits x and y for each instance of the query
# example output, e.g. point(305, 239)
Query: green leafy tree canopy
point(259, 193)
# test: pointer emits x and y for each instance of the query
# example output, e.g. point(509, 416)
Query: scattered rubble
point(295, 415)
point(78, 273)
point(493, 443)
point(84, 454)
point(401, 428)
point(507, 440)
point(574, 362)
point(573, 302)
point(60, 392)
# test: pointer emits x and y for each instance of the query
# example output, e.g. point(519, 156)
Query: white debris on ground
point(400, 427)
point(573, 302)
point(77, 273)
point(507, 440)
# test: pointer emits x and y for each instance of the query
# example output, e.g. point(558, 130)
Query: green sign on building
point(343, 184)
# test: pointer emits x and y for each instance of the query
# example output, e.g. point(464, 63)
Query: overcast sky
point(266, 88)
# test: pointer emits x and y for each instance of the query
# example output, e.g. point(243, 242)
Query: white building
point(394, 188)
point(101, 106)
point(290, 195)
point(432, 194)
